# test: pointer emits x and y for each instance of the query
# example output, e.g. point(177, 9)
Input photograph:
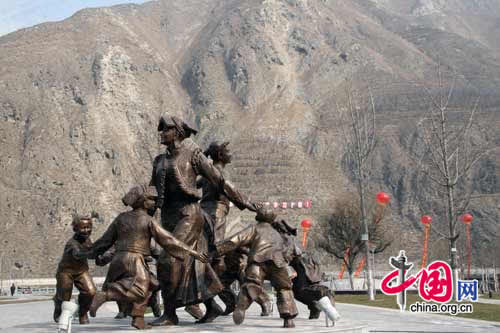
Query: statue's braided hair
point(215, 151)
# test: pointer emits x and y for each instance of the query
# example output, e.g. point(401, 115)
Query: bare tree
point(340, 233)
point(448, 151)
point(357, 123)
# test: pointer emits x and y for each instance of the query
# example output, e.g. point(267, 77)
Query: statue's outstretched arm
point(241, 239)
point(205, 168)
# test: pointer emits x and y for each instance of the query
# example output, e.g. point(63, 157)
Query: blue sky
point(17, 14)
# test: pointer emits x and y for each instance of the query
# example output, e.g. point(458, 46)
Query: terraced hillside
point(80, 100)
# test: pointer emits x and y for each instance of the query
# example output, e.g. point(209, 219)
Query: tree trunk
point(462, 269)
point(487, 271)
point(351, 281)
point(1, 272)
point(369, 280)
point(453, 261)
point(495, 278)
point(483, 280)
point(450, 201)
point(487, 274)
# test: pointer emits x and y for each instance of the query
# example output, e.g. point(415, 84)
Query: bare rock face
point(80, 100)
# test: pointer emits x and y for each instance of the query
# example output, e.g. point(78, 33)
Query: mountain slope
point(81, 97)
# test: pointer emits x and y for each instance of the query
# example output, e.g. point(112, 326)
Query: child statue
point(74, 269)
point(129, 278)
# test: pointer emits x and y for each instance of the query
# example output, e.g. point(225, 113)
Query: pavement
point(488, 300)
point(36, 317)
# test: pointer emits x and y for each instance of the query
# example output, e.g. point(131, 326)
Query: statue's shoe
point(266, 309)
point(314, 314)
point(99, 299)
point(84, 319)
point(139, 323)
point(156, 310)
point(210, 316)
point(238, 316)
point(120, 315)
point(195, 311)
point(57, 311)
point(288, 323)
point(229, 300)
point(165, 320)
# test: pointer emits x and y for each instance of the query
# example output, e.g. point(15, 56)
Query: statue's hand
point(213, 254)
point(254, 207)
point(203, 257)
point(99, 261)
point(151, 211)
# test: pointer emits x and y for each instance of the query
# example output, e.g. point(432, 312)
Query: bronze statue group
point(195, 259)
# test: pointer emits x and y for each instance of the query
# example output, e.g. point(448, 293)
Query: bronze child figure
point(216, 204)
point(235, 264)
point(307, 287)
point(265, 262)
point(74, 269)
point(124, 308)
point(213, 200)
point(129, 278)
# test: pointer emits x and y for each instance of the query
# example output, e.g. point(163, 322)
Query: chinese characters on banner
point(285, 204)
point(305, 204)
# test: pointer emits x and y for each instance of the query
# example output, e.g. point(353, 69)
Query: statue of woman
point(186, 281)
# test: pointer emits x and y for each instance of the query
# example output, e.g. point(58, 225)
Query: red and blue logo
point(434, 282)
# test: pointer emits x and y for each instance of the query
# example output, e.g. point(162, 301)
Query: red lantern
point(467, 218)
point(306, 224)
point(383, 198)
point(426, 219)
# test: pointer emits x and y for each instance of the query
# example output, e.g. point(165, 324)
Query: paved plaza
point(36, 317)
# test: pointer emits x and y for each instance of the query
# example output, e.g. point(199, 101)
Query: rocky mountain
point(80, 100)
